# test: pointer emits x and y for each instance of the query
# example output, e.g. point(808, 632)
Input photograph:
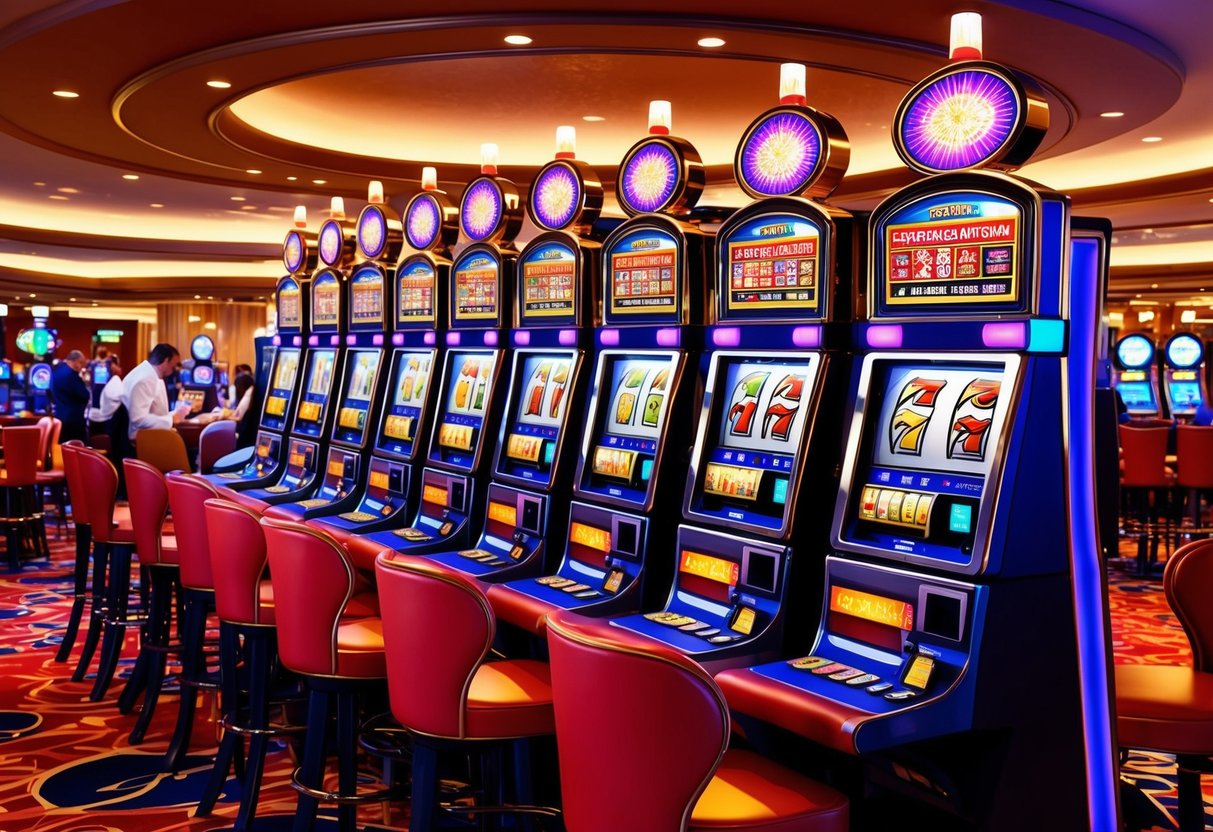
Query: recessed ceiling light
point(73, 300)
point(219, 85)
point(593, 118)
point(1152, 139)
point(248, 207)
point(68, 190)
point(517, 40)
point(33, 294)
point(156, 205)
point(237, 199)
point(1137, 296)
point(43, 185)
point(57, 196)
point(291, 178)
point(1111, 114)
point(253, 171)
point(197, 297)
point(1153, 285)
point(65, 94)
point(319, 181)
point(130, 176)
point(711, 43)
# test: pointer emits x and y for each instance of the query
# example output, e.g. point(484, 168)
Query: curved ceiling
point(323, 97)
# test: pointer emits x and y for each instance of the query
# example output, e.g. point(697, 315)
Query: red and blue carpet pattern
point(66, 764)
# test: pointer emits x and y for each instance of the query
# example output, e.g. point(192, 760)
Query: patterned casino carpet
point(66, 764)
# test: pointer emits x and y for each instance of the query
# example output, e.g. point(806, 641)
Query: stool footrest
point(273, 730)
point(376, 796)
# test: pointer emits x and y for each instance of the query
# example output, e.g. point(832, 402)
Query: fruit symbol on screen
point(463, 386)
point(659, 381)
point(624, 407)
point(777, 421)
point(560, 377)
point(915, 406)
point(652, 409)
point(634, 378)
point(745, 403)
point(972, 418)
point(539, 379)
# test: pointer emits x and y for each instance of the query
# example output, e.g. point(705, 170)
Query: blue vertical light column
point(1090, 598)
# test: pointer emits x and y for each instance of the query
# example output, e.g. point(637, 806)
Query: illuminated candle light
point(429, 179)
point(337, 208)
point(488, 159)
point(566, 142)
point(661, 118)
point(40, 311)
point(966, 37)
point(301, 216)
point(791, 84)
point(374, 192)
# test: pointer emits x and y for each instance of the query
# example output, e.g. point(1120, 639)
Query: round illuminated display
point(40, 377)
point(1185, 350)
point(422, 221)
point(202, 348)
point(650, 177)
point(372, 232)
point(779, 155)
point(556, 196)
point(959, 119)
point(330, 242)
point(1135, 351)
point(481, 211)
point(294, 251)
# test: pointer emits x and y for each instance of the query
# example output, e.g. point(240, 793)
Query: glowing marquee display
point(293, 251)
point(650, 177)
point(780, 154)
point(961, 120)
point(556, 196)
point(871, 607)
point(422, 222)
point(330, 242)
point(481, 210)
point(372, 232)
point(712, 568)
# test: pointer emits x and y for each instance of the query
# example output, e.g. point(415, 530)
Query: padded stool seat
point(1164, 708)
point(363, 604)
point(342, 536)
point(363, 551)
point(360, 649)
point(511, 698)
point(749, 792)
point(251, 503)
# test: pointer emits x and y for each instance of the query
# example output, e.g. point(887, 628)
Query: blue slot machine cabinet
point(6, 380)
point(635, 433)
point(766, 447)
point(1136, 375)
point(960, 659)
point(1184, 374)
point(454, 482)
point(38, 395)
point(368, 301)
point(554, 313)
point(431, 226)
point(199, 384)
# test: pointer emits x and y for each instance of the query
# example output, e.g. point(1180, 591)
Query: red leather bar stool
point(438, 629)
point(18, 478)
point(1194, 454)
point(84, 539)
point(324, 637)
point(643, 737)
point(1148, 482)
point(1170, 708)
point(160, 561)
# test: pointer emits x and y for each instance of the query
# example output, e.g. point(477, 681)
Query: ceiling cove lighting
point(65, 94)
point(253, 171)
point(130, 177)
point(517, 40)
point(593, 118)
point(1152, 139)
point(711, 43)
point(219, 85)
point(1112, 114)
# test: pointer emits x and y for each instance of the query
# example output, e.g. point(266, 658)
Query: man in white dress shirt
point(144, 394)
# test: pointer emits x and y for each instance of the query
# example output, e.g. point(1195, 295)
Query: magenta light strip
point(669, 337)
point(453, 339)
point(729, 336)
point(313, 340)
point(430, 338)
point(807, 336)
point(490, 338)
point(377, 340)
point(522, 338)
point(277, 340)
point(888, 336)
point(1005, 335)
point(609, 337)
point(568, 337)
point(334, 340)
point(398, 339)
point(350, 340)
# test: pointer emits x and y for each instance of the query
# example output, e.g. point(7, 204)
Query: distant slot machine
point(1184, 374)
point(199, 383)
point(454, 482)
point(554, 312)
point(1136, 375)
point(762, 469)
point(6, 381)
point(388, 490)
point(963, 628)
point(38, 391)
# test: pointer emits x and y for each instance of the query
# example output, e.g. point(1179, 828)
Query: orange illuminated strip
point(526, 448)
point(590, 536)
point(309, 411)
point(714, 569)
point(379, 479)
point(350, 417)
point(455, 436)
point(610, 462)
point(877, 608)
point(399, 427)
point(503, 513)
point(336, 467)
point(731, 481)
point(1133, 375)
point(275, 406)
point(433, 494)
point(297, 458)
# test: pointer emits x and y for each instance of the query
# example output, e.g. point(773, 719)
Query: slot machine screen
point(631, 402)
point(408, 392)
point(477, 281)
point(1138, 396)
point(1185, 395)
point(317, 388)
point(204, 375)
point(749, 449)
point(537, 414)
point(362, 372)
point(101, 373)
point(931, 436)
point(366, 297)
point(282, 387)
point(459, 430)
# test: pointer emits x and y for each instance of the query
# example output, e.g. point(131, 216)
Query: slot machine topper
point(553, 316)
point(762, 469)
point(468, 407)
point(1136, 375)
point(260, 465)
point(964, 619)
point(652, 298)
point(1184, 374)
point(199, 385)
point(430, 224)
point(367, 305)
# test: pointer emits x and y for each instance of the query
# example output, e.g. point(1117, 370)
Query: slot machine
point(961, 655)
point(368, 299)
point(431, 227)
point(1136, 375)
point(554, 312)
point(642, 390)
point(454, 482)
point(1184, 374)
point(38, 390)
point(6, 380)
point(320, 366)
point(198, 382)
point(260, 464)
point(766, 445)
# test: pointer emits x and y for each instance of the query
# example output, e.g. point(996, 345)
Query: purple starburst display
point(330, 242)
point(555, 197)
point(481, 209)
point(780, 155)
point(960, 121)
point(292, 252)
point(422, 223)
point(372, 232)
point(650, 177)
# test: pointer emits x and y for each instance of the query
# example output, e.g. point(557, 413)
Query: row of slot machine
point(1182, 383)
point(862, 497)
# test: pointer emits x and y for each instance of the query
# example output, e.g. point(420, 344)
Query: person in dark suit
point(71, 397)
